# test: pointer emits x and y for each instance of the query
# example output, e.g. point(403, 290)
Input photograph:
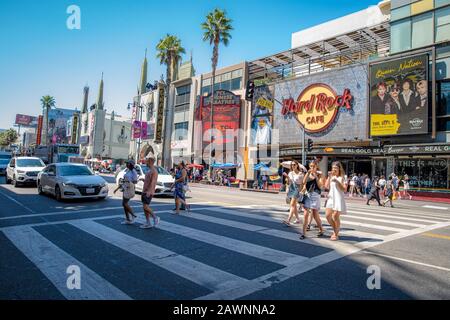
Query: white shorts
point(312, 201)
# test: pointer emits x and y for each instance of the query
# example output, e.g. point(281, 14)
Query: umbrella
point(225, 165)
point(193, 165)
point(268, 171)
point(287, 164)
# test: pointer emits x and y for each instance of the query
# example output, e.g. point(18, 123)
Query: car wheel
point(39, 187)
point(58, 194)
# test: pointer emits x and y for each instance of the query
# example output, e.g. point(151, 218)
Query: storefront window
point(424, 173)
point(442, 24)
point(443, 124)
point(443, 99)
point(422, 30)
point(401, 36)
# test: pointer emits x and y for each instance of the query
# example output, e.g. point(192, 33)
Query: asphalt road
point(231, 246)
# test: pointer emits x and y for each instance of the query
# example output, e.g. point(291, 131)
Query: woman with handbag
point(127, 186)
point(295, 180)
point(312, 184)
point(180, 187)
point(335, 205)
point(389, 193)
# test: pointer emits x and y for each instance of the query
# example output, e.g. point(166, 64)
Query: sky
point(40, 56)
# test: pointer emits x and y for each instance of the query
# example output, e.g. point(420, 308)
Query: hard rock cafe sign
point(317, 106)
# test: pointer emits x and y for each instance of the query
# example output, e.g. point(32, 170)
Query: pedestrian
point(180, 187)
point(367, 184)
point(359, 185)
point(374, 192)
point(405, 182)
point(312, 185)
point(335, 205)
point(127, 186)
point(396, 183)
point(295, 180)
point(389, 192)
point(148, 191)
point(382, 184)
point(352, 185)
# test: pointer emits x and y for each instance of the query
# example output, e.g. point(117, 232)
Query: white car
point(163, 185)
point(23, 170)
point(71, 181)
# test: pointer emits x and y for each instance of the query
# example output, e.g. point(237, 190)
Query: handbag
point(128, 190)
point(186, 188)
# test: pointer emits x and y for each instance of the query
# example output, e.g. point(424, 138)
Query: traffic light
point(250, 90)
point(310, 145)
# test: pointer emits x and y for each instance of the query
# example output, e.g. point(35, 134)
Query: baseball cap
point(131, 162)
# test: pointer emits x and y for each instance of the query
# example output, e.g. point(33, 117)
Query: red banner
point(39, 130)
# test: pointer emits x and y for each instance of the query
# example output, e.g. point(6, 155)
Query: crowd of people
point(179, 188)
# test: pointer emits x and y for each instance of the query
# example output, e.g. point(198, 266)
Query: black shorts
point(146, 200)
point(125, 201)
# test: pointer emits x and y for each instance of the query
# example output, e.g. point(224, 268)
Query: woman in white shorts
point(312, 187)
point(336, 201)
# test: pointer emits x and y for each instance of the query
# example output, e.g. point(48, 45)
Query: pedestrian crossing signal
point(250, 90)
point(310, 145)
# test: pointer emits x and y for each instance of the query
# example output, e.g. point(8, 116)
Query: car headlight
point(65, 184)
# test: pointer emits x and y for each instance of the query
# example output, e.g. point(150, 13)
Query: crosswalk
point(214, 252)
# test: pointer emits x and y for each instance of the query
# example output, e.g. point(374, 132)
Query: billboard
point(399, 96)
point(140, 130)
point(227, 111)
point(57, 124)
point(159, 114)
point(26, 121)
point(262, 115)
point(39, 130)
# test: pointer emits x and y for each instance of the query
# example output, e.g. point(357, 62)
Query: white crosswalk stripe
point(363, 227)
point(190, 269)
point(53, 263)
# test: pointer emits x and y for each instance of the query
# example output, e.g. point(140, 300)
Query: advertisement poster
point(262, 115)
point(227, 109)
point(58, 119)
point(399, 97)
point(26, 121)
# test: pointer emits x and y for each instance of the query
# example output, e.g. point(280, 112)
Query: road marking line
point(398, 210)
point(17, 202)
point(399, 223)
point(300, 268)
point(397, 216)
point(434, 235)
point(435, 207)
point(53, 263)
point(250, 249)
point(406, 260)
point(279, 219)
point(87, 210)
point(192, 270)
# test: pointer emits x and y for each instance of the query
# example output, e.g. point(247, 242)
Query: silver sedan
point(71, 181)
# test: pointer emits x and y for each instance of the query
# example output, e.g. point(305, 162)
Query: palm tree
point(47, 103)
point(216, 29)
point(169, 53)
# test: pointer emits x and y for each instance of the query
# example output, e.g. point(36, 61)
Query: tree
point(8, 137)
point(216, 29)
point(47, 103)
point(169, 53)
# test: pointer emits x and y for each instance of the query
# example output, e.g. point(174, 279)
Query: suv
point(22, 170)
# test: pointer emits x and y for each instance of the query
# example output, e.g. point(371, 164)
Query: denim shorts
point(146, 200)
point(312, 201)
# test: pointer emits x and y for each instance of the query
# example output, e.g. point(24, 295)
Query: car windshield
point(68, 149)
point(4, 161)
point(66, 171)
point(30, 163)
point(161, 170)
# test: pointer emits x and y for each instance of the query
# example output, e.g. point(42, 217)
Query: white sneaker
point(146, 226)
point(127, 222)
point(297, 222)
point(156, 221)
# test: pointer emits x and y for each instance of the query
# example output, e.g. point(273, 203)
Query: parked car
point(71, 181)
point(23, 170)
point(163, 185)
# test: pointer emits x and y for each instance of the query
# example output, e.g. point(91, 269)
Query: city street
point(231, 246)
